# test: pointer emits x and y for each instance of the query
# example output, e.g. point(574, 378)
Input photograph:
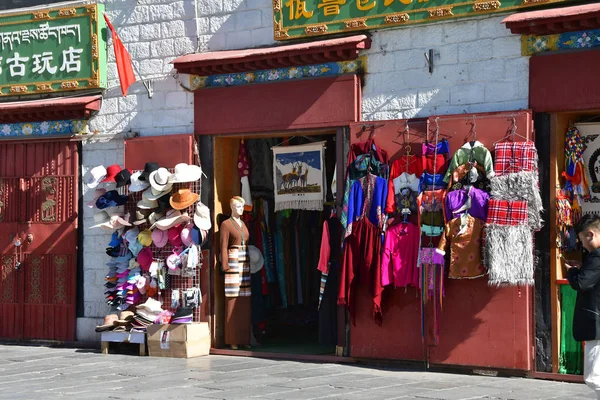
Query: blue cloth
point(431, 182)
point(115, 240)
point(111, 199)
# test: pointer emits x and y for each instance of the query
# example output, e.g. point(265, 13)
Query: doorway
point(286, 314)
point(38, 240)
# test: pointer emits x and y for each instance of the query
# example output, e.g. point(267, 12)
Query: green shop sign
point(301, 18)
point(52, 50)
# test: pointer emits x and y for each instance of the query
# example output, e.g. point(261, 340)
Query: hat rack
point(177, 282)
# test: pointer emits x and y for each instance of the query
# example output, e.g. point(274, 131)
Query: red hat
point(145, 258)
point(111, 173)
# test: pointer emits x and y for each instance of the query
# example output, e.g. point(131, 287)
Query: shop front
point(465, 317)
point(563, 44)
point(52, 68)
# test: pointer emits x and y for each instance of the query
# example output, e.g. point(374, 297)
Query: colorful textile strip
point(514, 157)
point(505, 212)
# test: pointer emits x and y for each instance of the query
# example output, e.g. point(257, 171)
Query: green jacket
point(471, 151)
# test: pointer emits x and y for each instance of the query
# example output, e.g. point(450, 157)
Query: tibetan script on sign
point(52, 50)
point(300, 18)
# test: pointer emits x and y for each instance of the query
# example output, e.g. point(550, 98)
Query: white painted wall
point(478, 67)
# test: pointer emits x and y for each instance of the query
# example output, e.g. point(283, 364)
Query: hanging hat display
point(146, 204)
point(172, 218)
point(137, 185)
point(131, 234)
point(183, 198)
point(160, 180)
point(97, 194)
point(186, 173)
point(148, 169)
point(95, 176)
point(160, 238)
point(186, 234)
point(145, 237)
point(174, 235)
point(202, 217)
point(141, 217)
point(111, 199)
point(123, 178)
point(111, 173)
point(144, 258)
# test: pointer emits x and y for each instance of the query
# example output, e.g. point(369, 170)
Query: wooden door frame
point(216, 205)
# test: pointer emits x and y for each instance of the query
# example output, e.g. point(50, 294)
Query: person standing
point(585, 279)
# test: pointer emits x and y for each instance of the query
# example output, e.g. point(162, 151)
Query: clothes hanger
point(472, 134)
point(511, 133)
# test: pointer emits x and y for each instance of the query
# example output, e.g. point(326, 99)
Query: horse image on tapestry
point(298, 173)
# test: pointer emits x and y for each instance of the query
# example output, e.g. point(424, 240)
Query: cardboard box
point(179, 340)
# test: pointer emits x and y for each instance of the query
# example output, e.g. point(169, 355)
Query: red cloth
point(361, 266)
point(325, 251)
point(515, 157)
point(504, 212)
point(356, 149)
point(440, 162)
point(123, 60)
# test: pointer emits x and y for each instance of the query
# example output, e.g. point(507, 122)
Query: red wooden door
point(39, 295)
point(479, 325)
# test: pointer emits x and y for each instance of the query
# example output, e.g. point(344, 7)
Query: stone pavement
point(29, 372)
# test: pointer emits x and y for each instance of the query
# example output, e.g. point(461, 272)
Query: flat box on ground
point(179, 340)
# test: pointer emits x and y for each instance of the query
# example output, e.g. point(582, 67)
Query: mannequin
point(234, 237)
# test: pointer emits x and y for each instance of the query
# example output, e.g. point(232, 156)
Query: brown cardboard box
point(179, 340)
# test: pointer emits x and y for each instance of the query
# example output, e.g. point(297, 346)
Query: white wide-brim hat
point(137, 185)
point(202, 217)
point(160, 180)
point(172, 218)
point(95, 176)
point(186, 173)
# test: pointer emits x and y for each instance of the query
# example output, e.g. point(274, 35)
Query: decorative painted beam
point(532, 44)
point(44, 128)
point(195, 82)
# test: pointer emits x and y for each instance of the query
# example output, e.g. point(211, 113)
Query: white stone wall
point(478, 67)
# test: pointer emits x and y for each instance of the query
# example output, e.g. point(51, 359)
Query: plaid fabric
point(514, 157)
point(505, 212)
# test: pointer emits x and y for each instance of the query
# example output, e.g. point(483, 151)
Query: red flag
point(123, 59)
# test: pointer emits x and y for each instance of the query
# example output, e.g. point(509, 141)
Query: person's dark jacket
point(586, 281)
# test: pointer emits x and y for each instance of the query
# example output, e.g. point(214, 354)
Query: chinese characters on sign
point(52, 50)
point(298, 18)
point(42, 63)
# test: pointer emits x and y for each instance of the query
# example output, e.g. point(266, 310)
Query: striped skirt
point(237, 275)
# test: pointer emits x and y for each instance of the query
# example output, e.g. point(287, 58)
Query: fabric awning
point(222, 62)
point(50, 109)
point(556, 20)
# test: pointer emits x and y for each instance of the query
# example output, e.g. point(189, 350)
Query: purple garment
point(457, 198)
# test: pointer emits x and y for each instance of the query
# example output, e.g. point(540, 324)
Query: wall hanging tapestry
point(590, 134)
point(298, 175)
